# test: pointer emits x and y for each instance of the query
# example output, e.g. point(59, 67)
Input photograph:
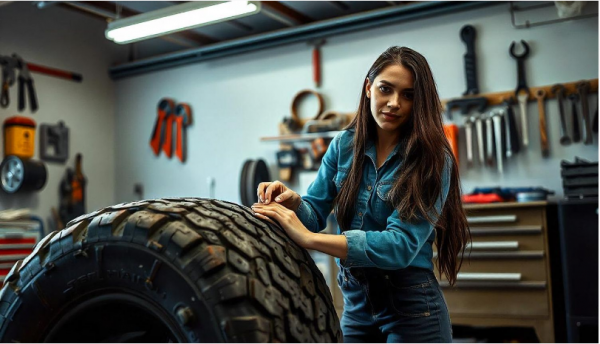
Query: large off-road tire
point(168, 270)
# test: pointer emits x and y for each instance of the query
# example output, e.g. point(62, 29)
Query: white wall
point(238, 99)
point(58, 38)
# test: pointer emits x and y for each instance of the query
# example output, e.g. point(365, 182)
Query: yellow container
point(19, 137)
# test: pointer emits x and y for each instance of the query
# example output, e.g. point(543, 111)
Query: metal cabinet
point(505, 276)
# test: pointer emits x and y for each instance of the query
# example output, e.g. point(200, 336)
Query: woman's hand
point(286, 219)
point(277, 191)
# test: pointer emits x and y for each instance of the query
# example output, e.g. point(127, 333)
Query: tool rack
point(497, 98)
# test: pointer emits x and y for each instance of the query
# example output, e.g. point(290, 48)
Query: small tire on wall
point(179, 270)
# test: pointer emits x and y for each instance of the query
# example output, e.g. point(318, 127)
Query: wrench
point(583, 88)
point(559, 91)
point(467, 34)
point(541, 96)
point(480, 146)
point(469, 136)
point(523, 107)
point(512, 136)
point(508, 144)
point(497, 118)
point(489, 138)
point(522, 91)
point(575, 118)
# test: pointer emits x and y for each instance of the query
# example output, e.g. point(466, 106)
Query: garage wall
point(238, 99)
point(58, 38)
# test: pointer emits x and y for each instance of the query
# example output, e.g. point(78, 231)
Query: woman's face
point(391, 95)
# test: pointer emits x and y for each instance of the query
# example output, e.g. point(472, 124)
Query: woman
point(393, 182)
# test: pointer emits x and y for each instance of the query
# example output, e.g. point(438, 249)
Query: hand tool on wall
point(451, 132)
point(575, 117)
point(72, 192)
point(166, 106)
point(57, 137)
point(512, 135)
point(583, 88)
point(497, 119)
point(489, 140)
point(183, 118)
point(467, 34)
point(559, 92)
point(57, 73)
point(469, 137)
point(595, 122)
point(8, 79)
point(25, 80)
point(167, 144)
point(479, 132)
point(466, 105)
point(541, 96)
point(522, 91)
point(316, 60)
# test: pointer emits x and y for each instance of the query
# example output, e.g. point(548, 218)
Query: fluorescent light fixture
point(177, 18)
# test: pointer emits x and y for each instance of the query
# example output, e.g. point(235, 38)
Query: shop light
point(177, 18)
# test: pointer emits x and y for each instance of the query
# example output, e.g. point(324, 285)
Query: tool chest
point(17, 240)
point(505, 276)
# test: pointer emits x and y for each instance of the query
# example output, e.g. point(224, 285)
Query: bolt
point(184, 315)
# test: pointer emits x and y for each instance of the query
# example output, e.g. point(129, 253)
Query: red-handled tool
point(183, 118)
point(166, 106)
point(316, 60)
point(167, 146)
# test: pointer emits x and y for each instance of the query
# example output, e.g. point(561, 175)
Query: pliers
point(165, 110)
point(25, 80)
point(183, 118)
point(8, 78)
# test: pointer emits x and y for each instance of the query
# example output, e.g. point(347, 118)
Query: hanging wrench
point(489, 138)
point(479, 131)
point(541, 96)
point(559, 91)
point(497, 118)
point(508, 143)
point(583, 88)
point(512, 135)
point(469, 137)
point(575, 117)
point(522, 91)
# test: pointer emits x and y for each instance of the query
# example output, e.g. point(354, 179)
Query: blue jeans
point(393, 306)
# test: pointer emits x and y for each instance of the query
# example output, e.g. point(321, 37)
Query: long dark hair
point(418, 182)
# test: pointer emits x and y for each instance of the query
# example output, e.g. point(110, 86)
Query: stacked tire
point(178, 270)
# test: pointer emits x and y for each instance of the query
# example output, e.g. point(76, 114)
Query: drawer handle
point(500, 255)
point(12, 257)
point(488, 277)
point(521, 230)
point(492, 219)
point(495, 285)
point(16, 246)
point(493, 245)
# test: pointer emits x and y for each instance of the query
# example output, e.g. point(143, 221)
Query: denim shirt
point(378, 237)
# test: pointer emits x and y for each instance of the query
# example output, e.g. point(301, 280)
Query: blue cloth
point(378, 237)
point(402, 306)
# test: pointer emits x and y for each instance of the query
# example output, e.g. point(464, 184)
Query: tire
point(168, 270)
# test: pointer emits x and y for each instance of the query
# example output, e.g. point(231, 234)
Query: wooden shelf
point(299, 137)
point(497, 98)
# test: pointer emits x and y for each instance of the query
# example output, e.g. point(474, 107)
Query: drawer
point(497, 301)
point(529, 269)
point(505, 217)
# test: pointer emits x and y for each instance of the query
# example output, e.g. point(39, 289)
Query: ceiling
point(273, 16)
